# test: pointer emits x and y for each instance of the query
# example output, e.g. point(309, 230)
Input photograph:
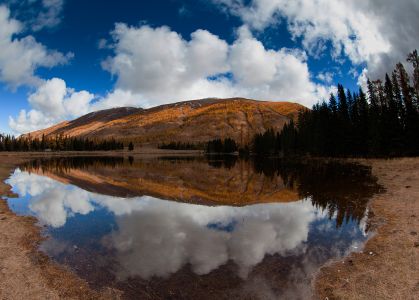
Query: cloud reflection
point(158, 237)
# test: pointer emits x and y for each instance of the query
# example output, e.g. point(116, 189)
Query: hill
point(189, 121)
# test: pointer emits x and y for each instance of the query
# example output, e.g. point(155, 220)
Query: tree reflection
point(342, 189)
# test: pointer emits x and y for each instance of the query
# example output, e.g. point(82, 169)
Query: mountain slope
point(189, 121)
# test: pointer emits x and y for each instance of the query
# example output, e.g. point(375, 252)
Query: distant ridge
point(187, 121)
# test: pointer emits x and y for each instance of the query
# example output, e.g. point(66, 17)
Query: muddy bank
point(388, 266)
point(25, 273)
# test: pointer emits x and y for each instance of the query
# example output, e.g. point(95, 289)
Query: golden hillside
point(189, 121)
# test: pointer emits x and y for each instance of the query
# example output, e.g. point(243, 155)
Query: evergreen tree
point(414, 59)
point(392, 128)
point(411, 130)
point(333, 104)
point(362, 124)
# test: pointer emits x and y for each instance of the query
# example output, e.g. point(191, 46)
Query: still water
point(187, 228)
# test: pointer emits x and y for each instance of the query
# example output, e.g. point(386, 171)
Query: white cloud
point(162, 67)
point(49, 16)
point(325, 77)
point(20, 57)
point(117, 98)
point(28, 121)
point(376, 32)
point(362, 79)
point(49, 97)
point(54, 102)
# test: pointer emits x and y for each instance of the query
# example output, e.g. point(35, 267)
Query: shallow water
point(210, 228)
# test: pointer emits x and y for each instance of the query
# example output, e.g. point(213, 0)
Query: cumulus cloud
point(162, 66)
point(372, 32)
point(20, 57)
point(54, 102)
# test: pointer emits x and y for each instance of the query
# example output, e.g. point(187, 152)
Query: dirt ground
point(387, 268)
point(25, 273)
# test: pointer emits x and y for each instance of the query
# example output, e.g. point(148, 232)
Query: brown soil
point(25, 273)
point(388, 266)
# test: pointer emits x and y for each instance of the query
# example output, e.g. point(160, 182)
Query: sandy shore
point(386, 269)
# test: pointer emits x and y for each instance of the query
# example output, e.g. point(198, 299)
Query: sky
point(60, 59)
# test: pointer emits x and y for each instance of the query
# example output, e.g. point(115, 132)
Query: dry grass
point(388, 266)
point(191, 121)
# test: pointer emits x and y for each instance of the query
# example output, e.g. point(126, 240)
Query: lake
point(196, 227)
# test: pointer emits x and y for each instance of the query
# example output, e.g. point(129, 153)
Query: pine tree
point(399, 100)
point(414, 59)
point(412, 119)
point(392, 130)
point(333, 104)
point(363, 123)
point(343, 103)
point(374, 140)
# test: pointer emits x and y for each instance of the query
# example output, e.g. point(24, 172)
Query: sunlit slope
point(192, 121)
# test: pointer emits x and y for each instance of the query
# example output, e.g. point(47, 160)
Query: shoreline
point(387, 273)
point(387, 266)
point(25, 272)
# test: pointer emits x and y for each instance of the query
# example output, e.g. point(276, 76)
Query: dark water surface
point(196, 228)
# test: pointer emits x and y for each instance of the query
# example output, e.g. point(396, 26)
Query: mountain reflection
point(212, 227)
point(340, 188)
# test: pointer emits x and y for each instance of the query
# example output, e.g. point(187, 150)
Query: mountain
point(189, 121)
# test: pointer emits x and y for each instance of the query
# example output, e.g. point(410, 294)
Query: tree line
point(382, 122)
point(58, 143)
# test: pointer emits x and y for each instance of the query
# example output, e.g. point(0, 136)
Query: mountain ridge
point(187, 121)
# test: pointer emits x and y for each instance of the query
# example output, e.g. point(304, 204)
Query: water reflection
point(110, 220)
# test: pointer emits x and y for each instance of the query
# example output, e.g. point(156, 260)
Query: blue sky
point(64, 58)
